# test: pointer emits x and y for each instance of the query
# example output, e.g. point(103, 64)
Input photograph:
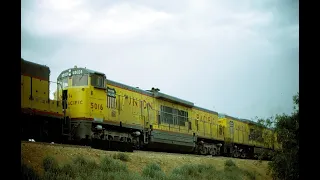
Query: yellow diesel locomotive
point(105, 111)
point(91, 109)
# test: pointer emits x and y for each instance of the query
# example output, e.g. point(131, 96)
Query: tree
point(285, 161)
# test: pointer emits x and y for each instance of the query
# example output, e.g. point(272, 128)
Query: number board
point(111, 92)
point(72, 72)
point(231, 123)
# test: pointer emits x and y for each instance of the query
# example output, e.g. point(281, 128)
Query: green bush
point(153, 171)
point(111, 165)
point(50, 164)
point(229, 163)
point(231, 171)
point(121, 156)
point(196, 171)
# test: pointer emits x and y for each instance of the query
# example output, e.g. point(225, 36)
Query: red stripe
point(81, 118)
point(46, 112)
point(42, 112)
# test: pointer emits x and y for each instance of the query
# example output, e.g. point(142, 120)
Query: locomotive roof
point(35, 70)
point(83, 70)
point(242, 120)
point(159, 95)
point(152, 93)
point(206, 110)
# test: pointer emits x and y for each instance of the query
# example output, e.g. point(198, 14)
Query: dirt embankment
point(32, 154)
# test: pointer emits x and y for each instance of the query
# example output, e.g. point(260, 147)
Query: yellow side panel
point(22, 91)
point(239, 129)
point(221, 125)
point(124, 107)
point(132, 108)
point(79, 106)
point(26, 92)
point(40, 99)
point(216, 128)
point(227, 134)
point(239, 133)
point(199, 125)
point(207, 124)
point(224, 122)
point(148, 110)
point(134, 102)
point(40, 94)
point(129, 110)
point(202, 119)
point(232, 130)
point(246, 134)
point(55, 107)
point(171, 127)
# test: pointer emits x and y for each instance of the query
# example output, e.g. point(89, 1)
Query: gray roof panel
point(206, 110)
point(160, 95)
point(35, 70)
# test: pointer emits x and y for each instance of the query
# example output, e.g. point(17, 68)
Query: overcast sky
point(236, 57)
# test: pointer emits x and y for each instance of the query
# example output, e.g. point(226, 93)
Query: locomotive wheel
point(243, 155)
point(203, 151)
point(218, 152)
point(213, 151)
point(236, 154)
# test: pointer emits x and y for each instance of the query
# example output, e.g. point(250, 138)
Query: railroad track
point(57, 144)
point(65, 145)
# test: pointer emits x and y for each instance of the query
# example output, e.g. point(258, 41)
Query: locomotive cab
point(78, 89)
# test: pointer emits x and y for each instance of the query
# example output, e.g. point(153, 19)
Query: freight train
point(90, 109)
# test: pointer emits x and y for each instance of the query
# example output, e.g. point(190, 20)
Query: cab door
point(65, 99)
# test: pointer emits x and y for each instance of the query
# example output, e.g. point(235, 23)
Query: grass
point(80, 163)
point(28, 173)
point(115, 169)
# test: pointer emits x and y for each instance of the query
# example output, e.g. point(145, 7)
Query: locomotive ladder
point(145, 118)
point(66, 125)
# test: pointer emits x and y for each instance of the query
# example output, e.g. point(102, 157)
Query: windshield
point(79, 80)
point(64, 82)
